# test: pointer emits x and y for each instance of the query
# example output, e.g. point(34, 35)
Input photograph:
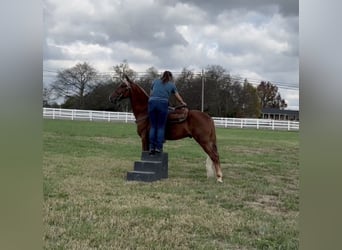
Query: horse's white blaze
point(210, 167)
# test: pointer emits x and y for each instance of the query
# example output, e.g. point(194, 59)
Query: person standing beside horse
point(158, 104)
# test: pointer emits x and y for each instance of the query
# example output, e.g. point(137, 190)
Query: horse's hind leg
point(211, 150)
point(214, 156)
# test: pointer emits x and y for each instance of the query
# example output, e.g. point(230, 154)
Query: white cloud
point(132, 53)
point(253, 40)
point(81, 50)
point(185, 13)
point(159, 35)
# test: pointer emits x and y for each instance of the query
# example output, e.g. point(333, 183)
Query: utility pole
point(202, 105)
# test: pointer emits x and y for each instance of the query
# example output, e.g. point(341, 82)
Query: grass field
point(88, 204)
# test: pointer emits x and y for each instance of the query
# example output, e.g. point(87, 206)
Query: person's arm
point(151, 89)
point(179, 98)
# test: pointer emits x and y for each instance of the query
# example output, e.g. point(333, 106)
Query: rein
point(141, 119)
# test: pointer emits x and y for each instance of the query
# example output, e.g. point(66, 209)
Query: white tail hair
point(210, 167)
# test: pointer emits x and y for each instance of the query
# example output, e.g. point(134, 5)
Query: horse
point(198, 125)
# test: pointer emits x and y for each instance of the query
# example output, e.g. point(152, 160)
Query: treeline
point(82, 87)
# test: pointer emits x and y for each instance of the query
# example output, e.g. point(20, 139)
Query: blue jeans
point(157, 111)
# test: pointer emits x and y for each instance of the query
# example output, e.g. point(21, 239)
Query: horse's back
point(199, 116)
point(200, 122)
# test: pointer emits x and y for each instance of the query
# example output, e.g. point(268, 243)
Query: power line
point(253, 81)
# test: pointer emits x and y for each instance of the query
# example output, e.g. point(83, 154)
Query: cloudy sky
point(253, 39)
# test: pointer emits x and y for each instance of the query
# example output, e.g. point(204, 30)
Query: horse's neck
point(139, 101)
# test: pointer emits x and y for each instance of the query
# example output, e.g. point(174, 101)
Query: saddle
point(177, 114)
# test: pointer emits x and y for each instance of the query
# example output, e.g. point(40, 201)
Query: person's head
point(167, 76)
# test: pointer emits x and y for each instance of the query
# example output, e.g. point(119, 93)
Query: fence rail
point(223, 122)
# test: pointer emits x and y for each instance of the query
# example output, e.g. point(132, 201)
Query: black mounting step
point(150, 168)
point(142, 176)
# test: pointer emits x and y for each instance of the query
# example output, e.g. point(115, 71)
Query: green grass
point(88, 204)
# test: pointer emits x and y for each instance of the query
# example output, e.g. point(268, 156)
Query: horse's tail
point(214, 152)
point(209, 165)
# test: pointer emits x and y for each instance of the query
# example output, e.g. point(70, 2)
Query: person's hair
point(166, 77)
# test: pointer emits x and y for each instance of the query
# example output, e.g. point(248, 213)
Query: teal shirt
point(162, 90)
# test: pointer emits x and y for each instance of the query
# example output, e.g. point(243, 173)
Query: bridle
point(145, 117)
point(128, 88)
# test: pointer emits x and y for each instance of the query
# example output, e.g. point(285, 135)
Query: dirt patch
point(251, 150)
point(267, 203)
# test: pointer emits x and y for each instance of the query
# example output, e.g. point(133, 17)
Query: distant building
point(279, 114)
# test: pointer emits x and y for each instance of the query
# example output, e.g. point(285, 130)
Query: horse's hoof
point(219, 180)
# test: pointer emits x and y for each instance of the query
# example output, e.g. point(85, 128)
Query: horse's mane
point(132, 83)
point(142, 89)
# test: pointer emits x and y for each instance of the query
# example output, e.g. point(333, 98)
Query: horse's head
point(121, 92)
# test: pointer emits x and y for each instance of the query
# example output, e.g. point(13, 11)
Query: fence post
point(72, 115)
point(257, 123)
point(288, 125)
point(53, 114)
point(272, 124)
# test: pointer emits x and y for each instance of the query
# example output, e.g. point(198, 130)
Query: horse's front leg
point(145, 142)
point(143, 132)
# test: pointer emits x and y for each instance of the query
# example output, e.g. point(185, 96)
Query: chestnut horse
point(198, 125)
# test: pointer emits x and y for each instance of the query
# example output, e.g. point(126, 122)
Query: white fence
point(223, 122)
point(87, 115)
point(255, 123)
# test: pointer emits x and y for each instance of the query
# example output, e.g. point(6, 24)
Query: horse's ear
point(128, 83)
point(127, 78)
point(125, 82)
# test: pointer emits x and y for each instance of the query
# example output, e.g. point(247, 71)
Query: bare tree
point(146, 80)
point(269, 96)
point(75, 83)
point(189, 85)
point(123, 69)
point(46, 95)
